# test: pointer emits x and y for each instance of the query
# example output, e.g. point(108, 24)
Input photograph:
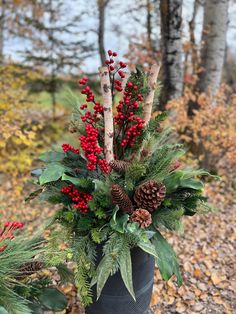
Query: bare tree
point(171, 33)
point(102, 4)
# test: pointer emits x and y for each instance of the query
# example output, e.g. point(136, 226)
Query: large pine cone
point(150, 195)
point(119, 165)
point(120, 198)
point(142, 217)
point(28, 269)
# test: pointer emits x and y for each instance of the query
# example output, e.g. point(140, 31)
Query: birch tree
point(171, 48)
point(213, 40)
point(213, 48)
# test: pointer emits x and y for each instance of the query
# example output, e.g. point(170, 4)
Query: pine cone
point(119, 165)
point(150, 195)
point(28, 269)
point(120, 198)
point(142, 217)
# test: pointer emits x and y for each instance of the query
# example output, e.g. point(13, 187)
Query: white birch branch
point(108, 117)
point(152, 80)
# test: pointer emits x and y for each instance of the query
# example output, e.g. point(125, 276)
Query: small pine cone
point(119, 165)
point(120, 198)
point(28, 269)
point(150, 195)
point(142, 217)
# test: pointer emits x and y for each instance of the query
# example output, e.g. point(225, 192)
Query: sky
point(125, 24)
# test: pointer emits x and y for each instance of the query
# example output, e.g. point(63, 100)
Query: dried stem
point(152, 79)
point(108, 117)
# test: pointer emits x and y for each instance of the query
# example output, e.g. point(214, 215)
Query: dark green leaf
point(166, 258)
point(52, 173)
point(52, 299)
point(118, 223)
point(126, 271)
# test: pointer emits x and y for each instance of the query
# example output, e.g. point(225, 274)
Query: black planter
point(115, 298)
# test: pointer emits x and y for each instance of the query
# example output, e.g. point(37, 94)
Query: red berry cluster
point(83, 81)
point(89, 144)
point(88, 92)
point(6, 233)
point(67, 147)
point(80, 199)
point(126, 119)
point(115, 66)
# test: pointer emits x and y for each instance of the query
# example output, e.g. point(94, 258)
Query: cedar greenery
point(144, 154)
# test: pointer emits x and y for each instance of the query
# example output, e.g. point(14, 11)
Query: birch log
point(108, 117)
point(152, 80)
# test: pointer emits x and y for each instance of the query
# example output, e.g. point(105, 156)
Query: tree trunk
point(213, 48)
point(171, 33)
point(2, 25)
point(149, 23)
point(101, 29)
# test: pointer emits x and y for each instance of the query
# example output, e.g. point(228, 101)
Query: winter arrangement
point(118, 189)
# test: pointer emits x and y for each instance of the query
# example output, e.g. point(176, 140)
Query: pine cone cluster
point(150, 195)
point(119, 165)
point(28, 269)
point(120, 198)
point(142, 217)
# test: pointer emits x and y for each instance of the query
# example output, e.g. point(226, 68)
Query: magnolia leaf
point(148, 247)
point(52, 156)
point(166, 258)
point(192, 184)
point(52, 299)
point(118, 223)
point(126, 271)
point(75, 181)
point(53, 172)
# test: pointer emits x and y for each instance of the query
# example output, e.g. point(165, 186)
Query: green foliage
point(17, 252)
point(166, 258)
point(53, 172)
point(118, 222)
point(85, 256)
point(169, 217)
point(133, 175)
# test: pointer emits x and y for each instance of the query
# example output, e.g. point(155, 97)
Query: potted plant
point(120, 187)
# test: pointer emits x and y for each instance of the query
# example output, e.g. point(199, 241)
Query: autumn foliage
point(211, 133)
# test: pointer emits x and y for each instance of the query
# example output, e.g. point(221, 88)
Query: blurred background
point(47, 45)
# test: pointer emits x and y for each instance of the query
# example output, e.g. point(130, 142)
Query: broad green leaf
point(191, 184)
point(36, 172)
point(53, 172)
point(148, 247)
point(36, 308)
point(3, 310)
point(126, 271)
point(75, 181)
point(52, 299)
point(102, 275)
point(52, 156)
point(118, 223)
point(166, 258)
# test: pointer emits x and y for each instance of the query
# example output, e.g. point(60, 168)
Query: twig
point(108, 117)
point(152, 79)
